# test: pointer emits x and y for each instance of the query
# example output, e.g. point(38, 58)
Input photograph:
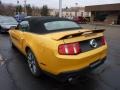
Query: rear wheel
point(33, 66)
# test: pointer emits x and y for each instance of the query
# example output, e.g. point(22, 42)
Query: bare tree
point(45, 11)
point(10, 10)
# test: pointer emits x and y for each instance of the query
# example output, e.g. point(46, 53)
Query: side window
point(24, 26)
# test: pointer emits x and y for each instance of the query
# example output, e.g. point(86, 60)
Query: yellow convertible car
point(59, 46)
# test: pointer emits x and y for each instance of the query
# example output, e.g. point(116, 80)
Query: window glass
point(8, 20)
point(24, 26)
point(57, 25)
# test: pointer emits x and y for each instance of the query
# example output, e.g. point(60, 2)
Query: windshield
point(7, 20)
point(61, 25)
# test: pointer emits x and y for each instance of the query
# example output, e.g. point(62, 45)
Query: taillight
point(103, 40)
point(69, 49)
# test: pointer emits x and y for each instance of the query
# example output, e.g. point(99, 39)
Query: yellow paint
point(45, 49)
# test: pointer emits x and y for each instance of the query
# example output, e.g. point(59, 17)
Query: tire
point(33, 65)
point(12, 45)
point(0, 31)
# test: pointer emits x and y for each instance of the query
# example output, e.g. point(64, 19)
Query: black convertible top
point(36, 23)
point(44, 18)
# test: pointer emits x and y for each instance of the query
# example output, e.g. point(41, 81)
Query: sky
point(65, 3)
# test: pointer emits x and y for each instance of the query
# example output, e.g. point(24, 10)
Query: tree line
point(11, 10)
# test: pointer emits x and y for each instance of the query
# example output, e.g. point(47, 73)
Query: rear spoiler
point(79, 33)
point(98, 30)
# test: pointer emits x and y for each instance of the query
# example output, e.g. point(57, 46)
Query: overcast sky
point(68, 3)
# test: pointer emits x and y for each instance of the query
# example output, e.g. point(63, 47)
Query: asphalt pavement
point(15, 74)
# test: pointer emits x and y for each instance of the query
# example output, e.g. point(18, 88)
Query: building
point(70, 12)
point(54, 12)
point(75, 12)
point(107, 13)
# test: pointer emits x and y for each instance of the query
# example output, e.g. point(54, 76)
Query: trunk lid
point(87, 39)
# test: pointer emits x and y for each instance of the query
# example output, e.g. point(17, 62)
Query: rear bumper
point(75, 74)
point(58, 64)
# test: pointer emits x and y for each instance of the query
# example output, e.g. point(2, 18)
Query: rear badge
point(93, 43)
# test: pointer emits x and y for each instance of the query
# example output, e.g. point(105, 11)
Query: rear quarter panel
point(43, 48)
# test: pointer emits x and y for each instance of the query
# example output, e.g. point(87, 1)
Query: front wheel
point(11, 44)
point(33, 66)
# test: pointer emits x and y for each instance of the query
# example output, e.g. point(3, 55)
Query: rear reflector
point(69, 49)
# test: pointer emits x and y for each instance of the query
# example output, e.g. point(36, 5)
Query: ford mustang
point(59, 46)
